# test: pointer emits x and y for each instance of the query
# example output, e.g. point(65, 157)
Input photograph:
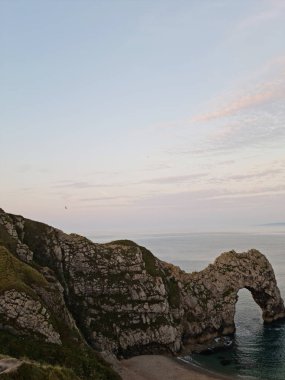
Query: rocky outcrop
point(210, 296)
point(125, 300)
point(27, 314)
point(35, 322)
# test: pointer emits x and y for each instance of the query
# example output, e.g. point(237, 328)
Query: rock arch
point(211, 295)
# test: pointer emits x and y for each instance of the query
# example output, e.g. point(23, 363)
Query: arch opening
point(248, 312)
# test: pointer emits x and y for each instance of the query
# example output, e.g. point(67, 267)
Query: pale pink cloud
point(246, 101)
point(264, 86)
point(231, 108)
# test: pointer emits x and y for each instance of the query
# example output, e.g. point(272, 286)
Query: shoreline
point(157, 367)
point(202, 370)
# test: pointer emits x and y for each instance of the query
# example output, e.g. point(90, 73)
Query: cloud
point(199, 199)
point(74, 185)
point(254, 119)
point(250, 194)
point(174, 179)
point(206, 202)
point(85, 185)
point(255, 130)
point(237, 105)
point(262, 174)
point(156, 181)
point(248, 177)
point(249, 116)
point(273, 224)
point(246, 132)
point(244, 101)
point(110, 206)
point(274, 11)
point(104, 198)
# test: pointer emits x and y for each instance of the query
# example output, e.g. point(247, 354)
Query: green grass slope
point(33, 371)
point(17, 275)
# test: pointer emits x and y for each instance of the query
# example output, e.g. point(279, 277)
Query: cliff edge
point(65, 290)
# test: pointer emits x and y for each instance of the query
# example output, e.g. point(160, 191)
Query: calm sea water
point(258, 351)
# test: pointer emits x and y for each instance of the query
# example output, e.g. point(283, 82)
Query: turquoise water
point(258, 351)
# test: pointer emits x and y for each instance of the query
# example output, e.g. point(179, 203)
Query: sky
point(143, 116)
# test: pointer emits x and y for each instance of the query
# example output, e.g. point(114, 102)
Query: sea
point(257, 350)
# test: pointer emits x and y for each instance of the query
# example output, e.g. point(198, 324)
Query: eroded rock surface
point(27, 314)
point(126, 301)
point(211, 294)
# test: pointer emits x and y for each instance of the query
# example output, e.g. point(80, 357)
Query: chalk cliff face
point(119, 296)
